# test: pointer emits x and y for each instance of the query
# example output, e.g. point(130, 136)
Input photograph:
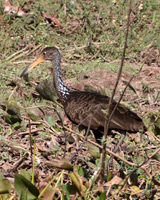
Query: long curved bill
point(34, 64)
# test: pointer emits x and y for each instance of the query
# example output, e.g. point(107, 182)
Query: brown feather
point(81, 105)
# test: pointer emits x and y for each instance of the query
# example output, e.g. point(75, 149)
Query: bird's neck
point(62, 90)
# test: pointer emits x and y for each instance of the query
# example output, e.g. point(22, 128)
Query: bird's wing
point(89, 108)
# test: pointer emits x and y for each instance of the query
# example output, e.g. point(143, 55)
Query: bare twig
point(108, 118)
point(37, 47)
point(115, 150)
point(22, 52)
point(14, 54)
point(85, 139)
point(99, 146)
point(18, 163)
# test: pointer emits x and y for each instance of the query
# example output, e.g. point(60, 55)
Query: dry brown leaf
point(6, 166)
point(53, 18)
point(61, 164)
point(9, 9)
point(42, 148)
point(135, 137)
point(68, 123)
point(116, 180)
point(49, 193)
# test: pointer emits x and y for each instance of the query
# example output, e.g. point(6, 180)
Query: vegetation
point(90, 36)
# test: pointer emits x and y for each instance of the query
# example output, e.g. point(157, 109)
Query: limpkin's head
point(49, 53)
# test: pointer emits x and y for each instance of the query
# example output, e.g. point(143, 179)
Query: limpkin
point(87, 108)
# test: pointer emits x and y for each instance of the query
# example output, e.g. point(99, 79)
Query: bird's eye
point(44, 53)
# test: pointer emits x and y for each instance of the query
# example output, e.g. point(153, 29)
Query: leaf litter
point(50, 139)
point(53, 142)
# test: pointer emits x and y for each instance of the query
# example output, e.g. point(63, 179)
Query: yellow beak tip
point(34, 64)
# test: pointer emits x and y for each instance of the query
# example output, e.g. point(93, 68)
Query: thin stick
point(111, 115)
point(12, 58)
point(14, 54)
point(19, 56)
point(108, 119)
point(37, 47)
point(99, 146)
point(85, 139)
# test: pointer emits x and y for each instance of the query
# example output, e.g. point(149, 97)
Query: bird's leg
point(85, 139)
point(76, 127)
point(110, 161)
point(65, 142)
point(98, 136)
point(83, 121)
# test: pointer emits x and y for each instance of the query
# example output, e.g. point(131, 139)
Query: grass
point(90, 39)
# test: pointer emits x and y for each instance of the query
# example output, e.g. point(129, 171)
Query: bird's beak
point(34, 64)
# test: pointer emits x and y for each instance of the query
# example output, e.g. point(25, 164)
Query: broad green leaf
point(69, 190)
point(1, 176)
point(50, 120)
point(103, 196)
point(24, 194)
point(158, 46)
point(78, 181)
point(47, 90)
point(153, 122)
point(12, 119)
point(34, 117)
point(5, 186)
point(25, 173)
point(135, 188)
point(67, 195)
point(23, 186)
point(80, 170)
point(75, 181)
point(93, 150)
point(109, 176)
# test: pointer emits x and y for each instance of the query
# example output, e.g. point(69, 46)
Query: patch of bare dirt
point(151, 57)
point(146, 85)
